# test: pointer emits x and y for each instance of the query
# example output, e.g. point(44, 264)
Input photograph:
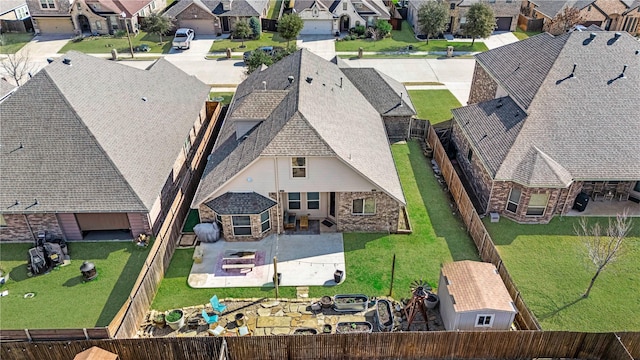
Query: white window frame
point(484, 320)
point(219, 220)
point(47, 4)
point(267, 221)
point(294, 167)
point(544, 208)
point(299, 201)
point(364, 206)
point(309, 201)
point(98, 25)
point(234, 226)
point(509, 201)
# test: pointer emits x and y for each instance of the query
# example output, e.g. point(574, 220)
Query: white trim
point(509, 201)
point(544, 208)
point(305, 167)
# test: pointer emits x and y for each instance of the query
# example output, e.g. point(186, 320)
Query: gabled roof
point(10, 5)
point(130, 7)
point(476, 286)
point(95, 135)
point(182, 5)
point(387, 95)
point(309, 120)
point(551, 8)
point(372, 7)
point(578, 127)
point(244, 8)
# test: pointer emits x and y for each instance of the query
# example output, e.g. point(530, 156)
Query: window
point(589, 8)
point(79, 5)
point(313, 200)
point(492, 1)
point(637, 187)
point(241, 225)
point(452, 6)
point(299, 167)
point(153, 5)
point(219, 221)
point(98, 24)
point(514, 199)
point(484, 320)
point(3, 222)
point(537, 204)
point(265, 221)
point(47, 4)
point(509, 1)
point(364, 206)
point(294, 201)
point(469, 154)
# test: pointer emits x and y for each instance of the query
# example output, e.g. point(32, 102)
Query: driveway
point(498, 39)
point(40, 48)
point(322, 45)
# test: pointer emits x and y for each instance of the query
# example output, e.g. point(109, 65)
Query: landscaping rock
point(273, 321)
point(280, 331)
point(264, 312)
point(270, 304)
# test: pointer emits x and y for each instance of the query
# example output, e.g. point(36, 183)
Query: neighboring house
point(614, 15)
point(6, 89)
point(212, 17)
point(14, 16)
point(90, 16)
point(300, 137)
point(474, 298)
point(331, 16)
point(550, 117)
point(505, 11)
point(92, 145)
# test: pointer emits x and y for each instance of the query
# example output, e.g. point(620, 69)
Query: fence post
point(483, 238)
point(26, 331)
point(86, 335)
point(470, 221)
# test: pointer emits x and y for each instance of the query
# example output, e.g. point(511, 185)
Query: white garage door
point(201, 27)
point(313, 27)
point(55, 26)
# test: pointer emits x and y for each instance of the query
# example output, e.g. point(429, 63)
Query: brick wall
point(208, 215)
point(21, 227)
point(501, 8)
point(385, 218)
point(62, 8)
point(500, 195)
point(397, 126)
point(483, 87)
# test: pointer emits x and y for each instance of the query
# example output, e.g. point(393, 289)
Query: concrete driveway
point(498, 39)
point(322, 45)
point(42, 47)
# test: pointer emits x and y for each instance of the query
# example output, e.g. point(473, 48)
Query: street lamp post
point(124, 17)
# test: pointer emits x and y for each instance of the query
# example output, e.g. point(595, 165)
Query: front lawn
point(266, 39)
point(434, 105)
point(62, 299)
point(551, 269)
point(10, 43)
point(437, 237)
point(103, 44)
point(401, 39)
point(521, 34)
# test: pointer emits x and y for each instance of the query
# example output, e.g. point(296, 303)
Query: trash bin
point(337, 276)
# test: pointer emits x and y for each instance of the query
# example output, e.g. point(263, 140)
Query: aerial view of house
point(93, 146)
point(331, 16)
point(215, 17)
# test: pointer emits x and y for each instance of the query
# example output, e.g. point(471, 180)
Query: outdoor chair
point(215, 304)
point(209, 319)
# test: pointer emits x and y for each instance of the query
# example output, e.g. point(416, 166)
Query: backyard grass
point(274, 9)
point(266, 39)
point(61, 299)
point(434, 105)
point(10, 43)
point(521, 34)
point(104, 44)
point(193, 219)
point(437, 237)
point(400, 39)
point(226, 95)
point(551, 269)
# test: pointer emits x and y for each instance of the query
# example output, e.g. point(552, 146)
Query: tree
point(383, 28)
point(242, 30)
point(603, 248)
point(157, 24)
point(563, 21)
point(18, 65)
point(480, 21)
point(257, 59)
point(433, 17)
point(290, 26)
point(256, 27)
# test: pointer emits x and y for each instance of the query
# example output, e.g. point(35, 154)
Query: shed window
point(294, 201)
point(484, 320)
point(265, 221)
point(514, 200)
point(241, 225)
point(364, 206)
point(537, 204)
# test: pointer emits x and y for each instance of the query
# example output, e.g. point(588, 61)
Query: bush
point(359, 30)
point(256, 27)
point(173, 316)
point(120, 33)
point(383, 28)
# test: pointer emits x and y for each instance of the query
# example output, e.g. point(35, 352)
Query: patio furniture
point(608, 196)
point(244, 331)
point(209, 319)
point(622, 196)
point(216, 305)
point(304, 222)
point(237, 259)
point(289, 220)
point(198, 253)
point(218, 331)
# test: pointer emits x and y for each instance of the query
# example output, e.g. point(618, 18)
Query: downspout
point(566, 200)
point(281, 210)
point(486, 211)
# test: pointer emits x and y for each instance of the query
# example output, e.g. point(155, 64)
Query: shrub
point(383, 28)
point(174, 315)
point(120, 33)
point(256, 27)
point(360, 30)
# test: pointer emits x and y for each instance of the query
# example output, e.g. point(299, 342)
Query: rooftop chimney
point(66, 61)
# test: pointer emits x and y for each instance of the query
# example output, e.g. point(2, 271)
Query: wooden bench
point(304, 222)
point(238, 266)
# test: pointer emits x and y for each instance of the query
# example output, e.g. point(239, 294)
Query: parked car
point(267, 49)
point(183, 38)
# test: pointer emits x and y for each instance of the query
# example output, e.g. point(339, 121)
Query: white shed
point(473, 297)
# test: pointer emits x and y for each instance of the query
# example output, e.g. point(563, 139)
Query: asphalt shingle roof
point(316, 108)
point(96, 135)
point(476, 286)
point(242, 8)
point(387, 95)
point(233, 203)
point(551, 8)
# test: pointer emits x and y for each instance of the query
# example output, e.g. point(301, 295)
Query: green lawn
point(10, 43)
point(434, 105)
point(551, 269)
point(62, 300)
point(266, 39)
point(274, 9)
point(400, 39)
point(226, 95)
point(193, 219)
point(521, 34)
point(104, 44)
point(437, 237)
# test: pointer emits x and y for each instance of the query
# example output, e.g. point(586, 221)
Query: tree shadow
point(73, 281)
point(551, 314)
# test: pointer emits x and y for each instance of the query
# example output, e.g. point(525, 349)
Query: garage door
point(201, 27)
point(55, 26)
point(503, 23)
point(316, 27)
point(589, 23)
point(91, 222)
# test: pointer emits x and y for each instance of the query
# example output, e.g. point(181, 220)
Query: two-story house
point(331, 16)
point(216, 16)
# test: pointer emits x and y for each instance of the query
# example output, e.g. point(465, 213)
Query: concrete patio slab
point(303, 260)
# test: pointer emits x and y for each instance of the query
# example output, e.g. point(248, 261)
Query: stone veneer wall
point(25, 227)
point(208, 215)
point(385, 219)
point(500, 195)
point(483, 87)
point(397, 127)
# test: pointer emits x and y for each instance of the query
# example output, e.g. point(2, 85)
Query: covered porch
point(608, 208)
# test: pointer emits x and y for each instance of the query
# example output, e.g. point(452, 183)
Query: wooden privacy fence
point(525, 320)
point(55, 334)
point(128, 319)
point(375, 346)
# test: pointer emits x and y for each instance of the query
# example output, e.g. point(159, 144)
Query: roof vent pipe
point(592, 35)
point(49, 60)
point(573, 72)
point(340, 82)
point(400, 105)
point(264, 85)
point(617, 34)
point(309, 79)
point(66, 61)
point(290, 78)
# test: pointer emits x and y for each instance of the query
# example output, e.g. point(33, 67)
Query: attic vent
point(50, 60)
point(290, 78)
point(66, 61)
point(516, 114)
point(144, 98)
point(309, 79)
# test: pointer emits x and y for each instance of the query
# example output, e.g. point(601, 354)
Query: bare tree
point(18, 65)
point(563, 21)
point(604, 246)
